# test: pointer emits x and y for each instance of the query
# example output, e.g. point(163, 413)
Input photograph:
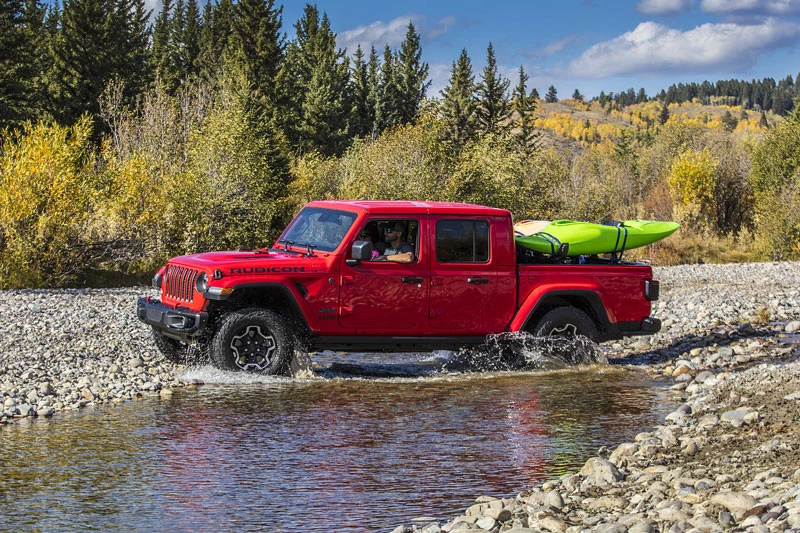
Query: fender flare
point(542, 300)
point(287, 303)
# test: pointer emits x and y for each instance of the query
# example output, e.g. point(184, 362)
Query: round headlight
point(202, 282)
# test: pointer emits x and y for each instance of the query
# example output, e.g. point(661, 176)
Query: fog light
point(176, 322)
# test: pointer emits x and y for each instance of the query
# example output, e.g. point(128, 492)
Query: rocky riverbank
point(727, 459)
point(62, 350)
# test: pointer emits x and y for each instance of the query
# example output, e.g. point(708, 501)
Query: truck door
point(384, 297)
point(464, 278)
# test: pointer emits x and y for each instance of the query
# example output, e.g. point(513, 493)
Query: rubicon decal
point(266, 270)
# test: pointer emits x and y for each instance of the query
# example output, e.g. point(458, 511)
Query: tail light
point(651, 289)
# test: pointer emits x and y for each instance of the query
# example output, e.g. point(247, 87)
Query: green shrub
point(233, 192)
point(775, 178)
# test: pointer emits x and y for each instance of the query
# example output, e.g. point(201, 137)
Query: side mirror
point(361, 251)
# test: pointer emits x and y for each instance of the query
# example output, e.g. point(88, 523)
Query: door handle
point(477, 281)
point(411, 279)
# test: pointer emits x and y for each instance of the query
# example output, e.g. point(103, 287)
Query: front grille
point(179, 283)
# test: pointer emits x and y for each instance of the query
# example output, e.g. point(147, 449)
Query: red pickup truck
point(388, 276)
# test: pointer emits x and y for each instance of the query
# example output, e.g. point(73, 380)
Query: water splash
point(523, 351)
point(518, 351)
point(301, 365)
point(208, 374)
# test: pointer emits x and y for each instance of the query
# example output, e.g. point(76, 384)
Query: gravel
point(65, 349)
point(727, 459)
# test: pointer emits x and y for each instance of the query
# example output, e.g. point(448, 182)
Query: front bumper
point(176, 323)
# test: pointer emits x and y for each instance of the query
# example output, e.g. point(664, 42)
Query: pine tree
point(524, 106)
point(215, 36)
point(363, 115)
point(763, 121)
point(729, 121)
point(97, 41)
point(373, 90)
point(259, 45)
point(133, 50)
point(459, 103)
point(192, 29)
point(412, 76)
point(624, 150)
point(160, 48)
point(314, 104)
point(389, 107)
point(493, 107)
point(577, 95)
point(175, 47)
point(551, 96)
point(663, 117)
point(21, 41)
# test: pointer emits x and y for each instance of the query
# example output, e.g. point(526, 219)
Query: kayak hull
point(586, 238)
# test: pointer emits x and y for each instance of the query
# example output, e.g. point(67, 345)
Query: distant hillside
point(575, 123)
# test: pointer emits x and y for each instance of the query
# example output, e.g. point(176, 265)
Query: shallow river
point(329, 453)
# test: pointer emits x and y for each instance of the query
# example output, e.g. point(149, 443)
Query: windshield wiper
point(307, 245)
point(286, 244)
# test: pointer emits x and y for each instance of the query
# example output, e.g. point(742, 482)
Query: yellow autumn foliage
point(48, 194)
point(692, 182)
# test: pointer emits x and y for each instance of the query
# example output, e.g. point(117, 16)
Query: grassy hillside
point(589, 123)
point(622, 145)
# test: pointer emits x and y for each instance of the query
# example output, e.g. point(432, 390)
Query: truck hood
point(249, 262)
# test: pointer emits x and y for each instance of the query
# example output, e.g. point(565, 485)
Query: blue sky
point(589, 45)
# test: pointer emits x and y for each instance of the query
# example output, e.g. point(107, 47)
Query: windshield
point(319, 227)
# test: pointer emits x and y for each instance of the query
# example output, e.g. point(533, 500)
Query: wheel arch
point(587, 301)
point(275, 297)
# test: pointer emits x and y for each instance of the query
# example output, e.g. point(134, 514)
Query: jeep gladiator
point(322, 285)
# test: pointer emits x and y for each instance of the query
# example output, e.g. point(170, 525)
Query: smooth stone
point(738, 503)
point(736, 418)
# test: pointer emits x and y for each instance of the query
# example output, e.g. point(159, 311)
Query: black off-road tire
point(172, 350)
point(253, 340)
point(566, 322)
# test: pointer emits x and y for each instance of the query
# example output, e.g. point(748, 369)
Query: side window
point(392, 236)
point(462, 241)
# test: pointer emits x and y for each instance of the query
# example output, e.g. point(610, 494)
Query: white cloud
point(439, 76)
point(664, 7)
point(378, 33)
point(441, 27)
point(655, 49)
point(154, 6)
point(751, 7)
point(391, 33)
point(550, 49)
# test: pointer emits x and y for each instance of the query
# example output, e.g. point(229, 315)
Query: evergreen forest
point(127, 138)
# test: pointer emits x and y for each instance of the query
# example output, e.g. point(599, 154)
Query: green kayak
point(586, 238)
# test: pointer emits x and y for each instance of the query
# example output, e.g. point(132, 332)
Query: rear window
point(462, 241)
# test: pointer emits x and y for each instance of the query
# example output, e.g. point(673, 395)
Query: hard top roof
point(410, 207)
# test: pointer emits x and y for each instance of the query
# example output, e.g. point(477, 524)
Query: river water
point(332, 452)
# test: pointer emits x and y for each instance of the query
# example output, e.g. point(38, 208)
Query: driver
point(397, 249)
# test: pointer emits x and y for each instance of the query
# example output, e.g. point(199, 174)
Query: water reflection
point(343, 454)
